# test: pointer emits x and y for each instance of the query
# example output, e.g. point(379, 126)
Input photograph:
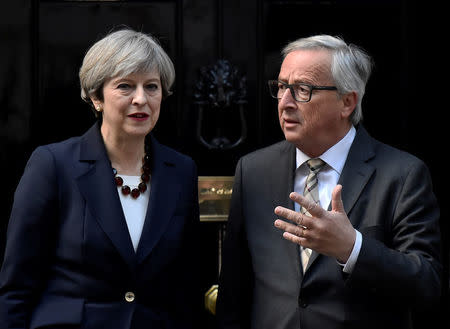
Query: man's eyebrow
point(295, 81)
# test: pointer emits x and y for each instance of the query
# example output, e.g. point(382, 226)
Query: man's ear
point(349, 101)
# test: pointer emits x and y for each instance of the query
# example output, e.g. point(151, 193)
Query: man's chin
point(291, 136)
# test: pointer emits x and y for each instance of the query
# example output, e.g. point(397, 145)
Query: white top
point(328, 177)
point(134, 209)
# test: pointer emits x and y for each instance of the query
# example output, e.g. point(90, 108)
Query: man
point(360, 247)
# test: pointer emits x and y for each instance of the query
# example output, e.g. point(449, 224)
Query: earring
point(98, 108)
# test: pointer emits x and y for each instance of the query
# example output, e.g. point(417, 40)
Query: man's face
point(316, 125)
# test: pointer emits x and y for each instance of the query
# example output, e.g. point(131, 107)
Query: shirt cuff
point(351, 261)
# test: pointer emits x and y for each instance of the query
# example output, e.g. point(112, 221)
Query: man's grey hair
point(350, 65)
point(122, 53)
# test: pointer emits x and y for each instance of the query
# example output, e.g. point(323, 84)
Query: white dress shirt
point(328, 177)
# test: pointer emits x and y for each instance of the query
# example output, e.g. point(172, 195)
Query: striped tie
point(311, 192)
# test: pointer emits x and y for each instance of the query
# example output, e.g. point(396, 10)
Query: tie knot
point(315, 164)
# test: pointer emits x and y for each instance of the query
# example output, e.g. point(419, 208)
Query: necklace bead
point(135, 193)
point(142, 187)
point(119, 180)
point(125, 190)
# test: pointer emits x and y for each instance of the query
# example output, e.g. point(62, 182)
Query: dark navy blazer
point(69, 259)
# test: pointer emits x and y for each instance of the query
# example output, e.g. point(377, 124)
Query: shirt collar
point(335, 156)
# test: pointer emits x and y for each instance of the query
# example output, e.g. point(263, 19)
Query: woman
point(103, 227)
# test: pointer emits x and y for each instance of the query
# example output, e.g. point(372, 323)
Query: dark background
point(42, 44)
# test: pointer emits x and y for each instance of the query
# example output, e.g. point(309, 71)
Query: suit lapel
point(164, 194)
point(355, 174)
point(356, 171)
point(282, 178)
point(104, 202)
point(282, 184)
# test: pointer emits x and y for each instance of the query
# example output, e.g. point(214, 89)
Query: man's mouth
point(290, 121)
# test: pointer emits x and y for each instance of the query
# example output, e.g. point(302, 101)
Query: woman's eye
point(152, 86)
point(123, 86)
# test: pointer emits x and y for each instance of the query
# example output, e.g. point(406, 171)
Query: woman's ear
point(97, 104)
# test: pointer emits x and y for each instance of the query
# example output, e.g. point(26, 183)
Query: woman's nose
point(139, 96)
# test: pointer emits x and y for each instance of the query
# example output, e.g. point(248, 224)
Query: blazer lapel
point(355, 174)
point(164, 194)
point(96, 184)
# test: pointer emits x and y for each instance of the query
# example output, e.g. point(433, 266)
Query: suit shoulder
point(56, 149)
point(402, 157)
point(381, 154)
point(64, 144)
point(270, 152)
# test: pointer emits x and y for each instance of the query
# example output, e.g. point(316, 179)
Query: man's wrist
point(351, 261)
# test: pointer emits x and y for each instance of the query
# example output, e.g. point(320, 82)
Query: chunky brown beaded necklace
point(145, 178)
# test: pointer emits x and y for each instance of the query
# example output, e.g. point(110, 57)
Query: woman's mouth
point(139, 116)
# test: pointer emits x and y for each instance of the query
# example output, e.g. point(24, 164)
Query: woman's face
point(130, 105)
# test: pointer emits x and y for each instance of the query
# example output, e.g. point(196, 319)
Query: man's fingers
point(291, 232)
point(293, 238)
point(290, 228)
point(313, 208)
point(336, 199)
point(289, 214)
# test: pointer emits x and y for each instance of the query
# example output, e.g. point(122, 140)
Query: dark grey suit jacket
point(388, 197)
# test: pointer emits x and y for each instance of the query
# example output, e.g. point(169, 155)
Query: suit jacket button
point(129, 296)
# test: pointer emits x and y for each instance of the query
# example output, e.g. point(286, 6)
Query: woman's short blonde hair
point(122, 53)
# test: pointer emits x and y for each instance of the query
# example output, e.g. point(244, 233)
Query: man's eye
point(281, 86)
point(302, 89)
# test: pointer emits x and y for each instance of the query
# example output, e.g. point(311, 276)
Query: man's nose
point(287, 100)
